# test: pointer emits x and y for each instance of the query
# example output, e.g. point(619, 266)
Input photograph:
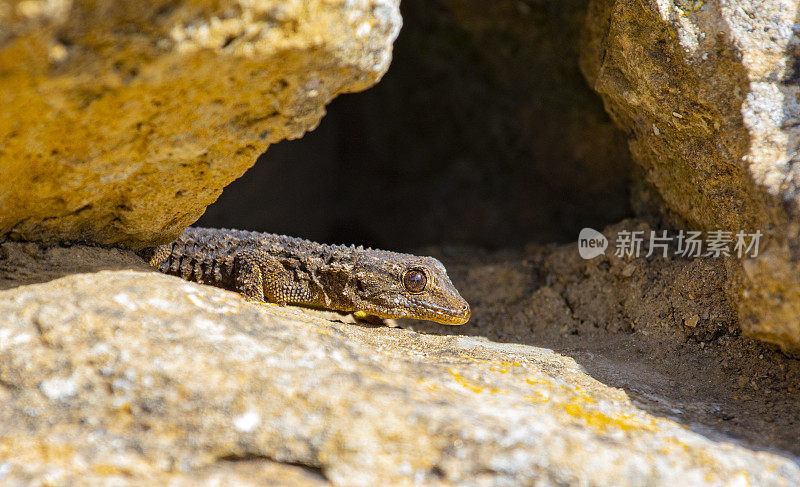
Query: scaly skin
point(288, 270)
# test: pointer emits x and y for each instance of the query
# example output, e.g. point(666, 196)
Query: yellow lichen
point(503, 367)
point(108, 469)
point(427, 385)
point(602, 423)
point(537, 397)
point(474, 360)
point(472, 387)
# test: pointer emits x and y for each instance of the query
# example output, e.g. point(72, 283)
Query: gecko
point(266, 267)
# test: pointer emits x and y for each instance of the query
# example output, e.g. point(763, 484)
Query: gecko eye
point(414, 280)
point(360, 285)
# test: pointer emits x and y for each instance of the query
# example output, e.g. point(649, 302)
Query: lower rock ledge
point(128, 377)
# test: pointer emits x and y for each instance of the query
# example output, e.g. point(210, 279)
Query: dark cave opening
point(481, 133)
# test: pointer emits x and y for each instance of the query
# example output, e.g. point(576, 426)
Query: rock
point(123, 122)
point(707, 93)
point(126, 377)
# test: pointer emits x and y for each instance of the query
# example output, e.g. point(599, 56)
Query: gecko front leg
point(264, 277)
point(248, 279)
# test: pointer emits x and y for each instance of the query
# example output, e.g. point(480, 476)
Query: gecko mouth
point(404, 306)
point(457, 315)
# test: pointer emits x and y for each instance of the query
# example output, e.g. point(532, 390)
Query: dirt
point(662, 330)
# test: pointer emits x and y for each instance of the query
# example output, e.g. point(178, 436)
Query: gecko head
point(407, 286)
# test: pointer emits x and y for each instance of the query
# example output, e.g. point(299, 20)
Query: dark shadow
point(23, 263)
point(314, 472)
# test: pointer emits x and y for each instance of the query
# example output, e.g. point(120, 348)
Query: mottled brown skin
point(288, 270)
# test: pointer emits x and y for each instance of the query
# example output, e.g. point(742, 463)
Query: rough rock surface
point(120, 122)
point(708, 93)
point(128, 376)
